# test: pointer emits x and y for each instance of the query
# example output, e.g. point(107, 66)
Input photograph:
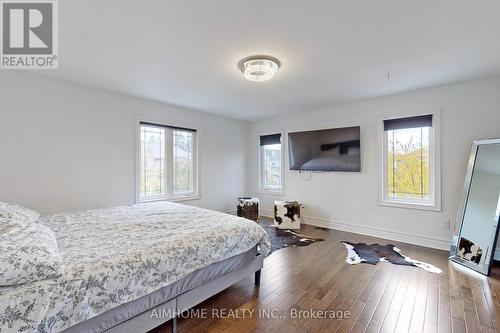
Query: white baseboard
point(435, 243)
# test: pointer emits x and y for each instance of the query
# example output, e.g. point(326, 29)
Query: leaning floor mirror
point(475, 237)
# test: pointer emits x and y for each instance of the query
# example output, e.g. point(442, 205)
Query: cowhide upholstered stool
point(287, 214)
point(248, 208)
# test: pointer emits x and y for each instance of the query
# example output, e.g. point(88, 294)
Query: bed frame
point(145, 321)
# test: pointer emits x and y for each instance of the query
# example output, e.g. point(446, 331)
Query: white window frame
point(262, 189)
point(434, 202)
point(169, 196)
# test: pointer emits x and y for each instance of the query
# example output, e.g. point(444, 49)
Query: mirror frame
point(489, 255)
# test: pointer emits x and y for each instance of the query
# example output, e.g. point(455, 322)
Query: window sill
point(280, 193)
point(173, 199)
point(410, 205)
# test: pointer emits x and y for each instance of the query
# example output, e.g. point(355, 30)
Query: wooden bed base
point(145, 321)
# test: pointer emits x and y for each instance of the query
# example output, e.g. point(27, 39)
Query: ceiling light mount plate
point(259, 68)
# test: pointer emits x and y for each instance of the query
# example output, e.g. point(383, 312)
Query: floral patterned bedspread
point(115, 255)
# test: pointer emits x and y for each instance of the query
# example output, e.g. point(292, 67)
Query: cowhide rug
point(467, 250)
point(375, 253)
point(281, 238)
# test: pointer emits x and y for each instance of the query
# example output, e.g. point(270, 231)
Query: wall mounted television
point(335, 149)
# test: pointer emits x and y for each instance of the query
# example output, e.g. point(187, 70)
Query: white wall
point(66, 147)
point(349, 201)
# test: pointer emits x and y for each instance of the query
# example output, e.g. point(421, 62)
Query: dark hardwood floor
point(381, 298)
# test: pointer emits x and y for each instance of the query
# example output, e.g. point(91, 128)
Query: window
point(271, 167)
point(152, 161)
point(167, 163)
point(410, 176)
point(183, 162)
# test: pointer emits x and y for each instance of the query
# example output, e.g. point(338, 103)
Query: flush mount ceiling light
point(259, 69)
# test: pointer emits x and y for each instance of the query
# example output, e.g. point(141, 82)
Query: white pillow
point(13, 212)
point(28, 253)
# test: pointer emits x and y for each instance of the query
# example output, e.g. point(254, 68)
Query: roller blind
point(172, 127)
point(408, 122)
point(271, 139)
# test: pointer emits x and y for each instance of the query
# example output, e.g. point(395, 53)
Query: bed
point(132, 268)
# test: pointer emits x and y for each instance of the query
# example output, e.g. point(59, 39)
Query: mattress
point(117, 255)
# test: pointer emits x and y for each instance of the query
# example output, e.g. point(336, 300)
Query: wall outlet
point(446, 225)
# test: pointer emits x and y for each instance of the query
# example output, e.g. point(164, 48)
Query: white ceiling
point(186, 52)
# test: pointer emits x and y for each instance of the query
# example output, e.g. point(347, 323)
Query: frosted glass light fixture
point(260, 69)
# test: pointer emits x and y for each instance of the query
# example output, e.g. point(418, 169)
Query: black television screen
point(335, 149)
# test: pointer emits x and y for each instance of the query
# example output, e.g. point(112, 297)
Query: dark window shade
point(172, 127)
point(409, 122)
point(272, 139)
